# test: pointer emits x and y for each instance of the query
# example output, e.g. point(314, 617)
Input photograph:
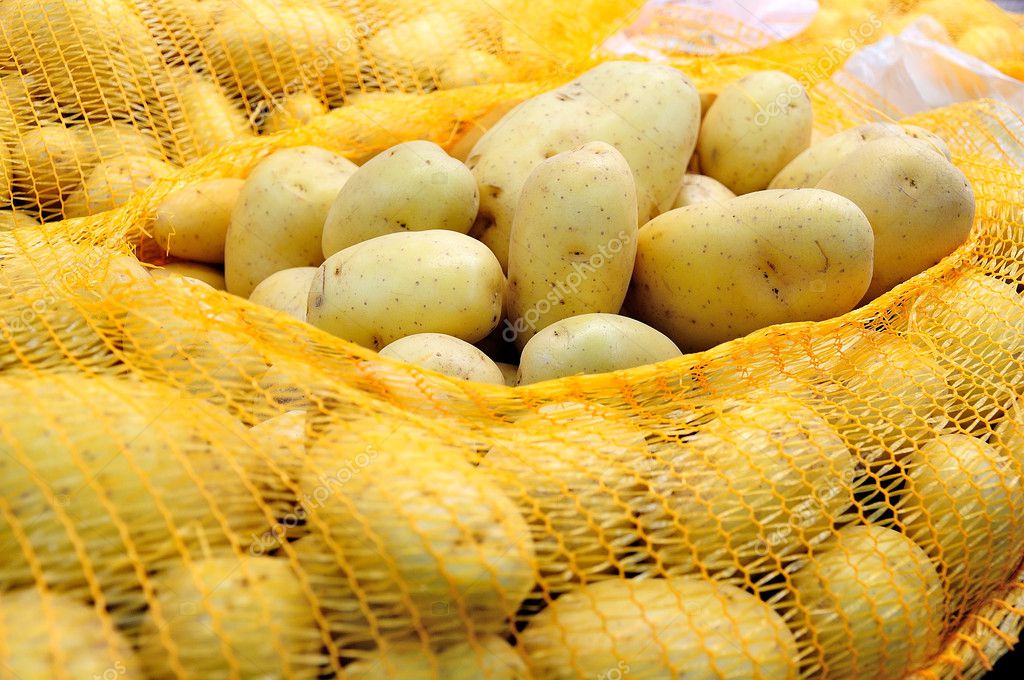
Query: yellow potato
point(413, 186)
point(408, 53)
point(660, 628)
point(920, 206)
point(990, 42)
point(16, 219)
point(197, 271)
point(509, 372)
point(1009, 434)
point(447, 355)
point(291, 112)
point(712, 272)
point(25, 103)
point(435, 281)
point(465, 68)
point(210, 118)
point(51, 162)
point(649, 112)
point(592, 343)
point(286, 290)
point(112, 183)
point(192, 223)
point(46, 636)
point(471, 132)
point(6, 174)
point(488, 657)
point(872, 602)
point(109, 140)
point(700, 189)
point(755, 127)
point(279, 217)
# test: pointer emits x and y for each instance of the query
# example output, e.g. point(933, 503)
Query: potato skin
point(213, 120)
point(197, 271)
point(435, 281)
point(293, 111)
point(16, 219)
point(445, 354)
point(573, 239)
point(700, 189)
point(192, 223)
point(113, 182)
point(279, 217)
point(753, 129)
point(921, 207)
point(711, 272)
point(609, 103)
point(286, 290)
point(6, 175)
point(51, 163)
point(413, 186)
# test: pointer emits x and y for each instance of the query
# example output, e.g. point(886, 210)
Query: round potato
point(592, 343)
point(16, 219)
point(921, 207)
point(286, 290)
point(52, 162)
point(465, 68)
point(712, 272)
point(447, 355)
point(111, 183)
point(291, 112)
point(700, 189)
point(753, 129)
point(204, 273)
point(435, 281)
point(279, 217)
point(413, 186)
point(192, 223)
point(872, 604)
point(660, 628)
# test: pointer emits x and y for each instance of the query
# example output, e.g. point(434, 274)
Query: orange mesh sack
point(196, 486)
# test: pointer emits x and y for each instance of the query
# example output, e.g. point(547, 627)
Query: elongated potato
point(592, 343)
point(51, 163)
point(920, 206)
point(872, 604)
point(192, 223)
point(408, 53)
point(488, 657)
point(700, 189)
point(198, 271)
point(573, 239)
point(1009, 434)
point(16, 219)
point(807, 169)
point(753, 129)
point(712, 272)
point(465, 68)
point(292, 111)
point(269, 232)
point(380, 290)
point(660, 628)
point(649, 112)
point(445, 354)
point(286, 290)
point(111, 183)
point(413, 186)
point(211, 119)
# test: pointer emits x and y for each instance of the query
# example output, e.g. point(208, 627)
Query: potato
point(592, 343)
point(1009, 434)
point(16, 219)
point(700, 189)
point(51, 163)
point(435, 281)
point(210, 118)
point(488, 657)
point(963, 505)
point(872, 604)
point(509, 372)
point(192, 223)
point(6, 175)
point(291, 112)
point(649, 112)
point(197, 271)
point(573, 239)
point(447, 355)
point(230, 617)
point(44, 636)
point(286, 290)
point(109, 140)
point(25, 103)
point(929, 138)
point(413, 186)
point(755, 127)
point(112, 183)
point(469, 133)
point(920, 206)
point(991, 43)
point(279, 217)
point(407, 53)
point(712, 272)
point(660, 628)
point(284, 438)
point(465, 68)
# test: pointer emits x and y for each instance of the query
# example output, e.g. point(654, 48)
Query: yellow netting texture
point(192, 486)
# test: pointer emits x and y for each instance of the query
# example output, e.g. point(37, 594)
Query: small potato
point(712, 272)
point(292, 111)
point(109, 140)
point(15, 219)
point(406, 52)
point(509, 372)
point(111, 183)
point(466, 68)
point(755, 127)
point(413, 186)
point(921, 207)
point(211, 119)
point(204, 273)
point(682, 627)
point(872, 603)
point(447, 355)
point(380, 290)
point(592, 343)
point(192, 223)
point(573, 239)
point(50, 164)
point(286, 290)
point(700, 189)
point(279, 217)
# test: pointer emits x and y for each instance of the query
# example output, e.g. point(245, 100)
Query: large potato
point(111, 183)
point(413, 186)
point(753, 129)
point(713, 272)
point(380, 290)
point(872, 604)
point(700, 189)
point(210, 118)
point(447, 355)
point(279, 217)
point(192, 223)
point(681, 627)
point(286, 290)
point(573, 239)
point(649, 112)
point(920, 205)
point(44, 636)
point(592, 343)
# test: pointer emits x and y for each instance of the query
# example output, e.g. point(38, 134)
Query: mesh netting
point(194, 486)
